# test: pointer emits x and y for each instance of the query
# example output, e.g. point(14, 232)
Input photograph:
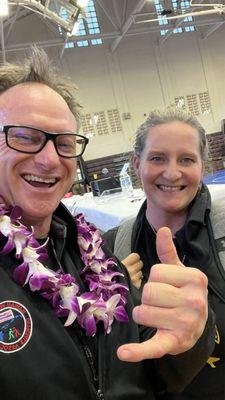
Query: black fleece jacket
point(196, 245)
point(40, 359)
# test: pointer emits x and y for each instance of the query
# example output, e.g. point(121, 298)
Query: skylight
point(87, 26)
point(163, 21)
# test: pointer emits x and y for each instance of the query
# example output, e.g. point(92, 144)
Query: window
point(102, 125)
point(81, 31)
point(87, 125)
point(114, 120)
point(82, 43)
point(205, 102)
point(180, 102)
point(196, 104)
point(162, 20)
point(87, 26)
point(192, 103)
point(184, 5)
point(95, 42)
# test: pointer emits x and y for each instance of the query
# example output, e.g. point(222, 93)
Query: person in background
point(68, 325)
point(169, 154)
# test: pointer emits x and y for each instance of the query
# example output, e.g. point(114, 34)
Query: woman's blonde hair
point(171, 114)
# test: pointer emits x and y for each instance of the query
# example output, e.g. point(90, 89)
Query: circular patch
point(15, 326)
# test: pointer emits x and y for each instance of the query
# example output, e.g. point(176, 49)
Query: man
point(98, 354)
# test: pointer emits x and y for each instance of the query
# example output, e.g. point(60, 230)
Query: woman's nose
point(172, 171)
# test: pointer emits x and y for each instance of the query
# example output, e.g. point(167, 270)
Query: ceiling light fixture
point(61, 12)
point(75, 29)
point(214, 9)
point(82, 3)
point(4, 8)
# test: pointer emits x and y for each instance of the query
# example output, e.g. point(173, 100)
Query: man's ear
point(136, 164)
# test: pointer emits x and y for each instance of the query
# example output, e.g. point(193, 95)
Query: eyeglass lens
point(31, 140)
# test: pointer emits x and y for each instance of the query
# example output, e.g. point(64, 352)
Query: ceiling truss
point(126, 18)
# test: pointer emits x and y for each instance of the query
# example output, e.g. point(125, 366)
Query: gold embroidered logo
point(217, 336)
point(212, 360)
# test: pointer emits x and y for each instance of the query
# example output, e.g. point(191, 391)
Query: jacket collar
point(64, 228)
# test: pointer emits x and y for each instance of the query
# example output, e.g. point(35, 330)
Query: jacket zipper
point(89, 357)
point(101, 345)
point(100, 395)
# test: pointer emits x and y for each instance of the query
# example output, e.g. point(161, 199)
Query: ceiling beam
point(107, 13)
point(177, 24)
point(124, 11)
point(212, 29)
point(23, 13)
point(59, 42)
point(50, 24)
point(13, 20)
point(127, 24)
point(116, 12)
point(150, 29)
point(169, 33)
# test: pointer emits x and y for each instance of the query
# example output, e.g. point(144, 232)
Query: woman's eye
point(187, 160)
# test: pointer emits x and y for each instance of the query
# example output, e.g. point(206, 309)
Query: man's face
point(35, 182)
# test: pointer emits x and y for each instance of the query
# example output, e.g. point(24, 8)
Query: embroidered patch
point(15, 326)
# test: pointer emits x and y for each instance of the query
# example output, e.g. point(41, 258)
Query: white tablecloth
point(111, 211)
point(217, 192)
point(106, 212)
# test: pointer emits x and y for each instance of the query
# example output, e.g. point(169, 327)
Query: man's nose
point(48, 155)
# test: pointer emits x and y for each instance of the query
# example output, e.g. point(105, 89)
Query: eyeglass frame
point(48, 136)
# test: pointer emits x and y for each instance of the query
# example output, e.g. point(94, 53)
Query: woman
point(169, 156)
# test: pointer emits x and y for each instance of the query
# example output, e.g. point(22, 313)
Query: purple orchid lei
point(106, 298)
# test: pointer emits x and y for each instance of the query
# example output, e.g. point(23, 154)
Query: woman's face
point(170, 166)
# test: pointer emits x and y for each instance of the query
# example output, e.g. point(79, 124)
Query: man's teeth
point(169, 188)
point(33, 178)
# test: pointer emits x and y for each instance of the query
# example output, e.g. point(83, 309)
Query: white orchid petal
point(71, 318)
point(112, 302)
point(5, 225)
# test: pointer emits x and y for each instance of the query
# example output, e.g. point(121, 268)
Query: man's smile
point(38, 181)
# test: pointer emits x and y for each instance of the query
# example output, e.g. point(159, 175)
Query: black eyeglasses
point(26, 139)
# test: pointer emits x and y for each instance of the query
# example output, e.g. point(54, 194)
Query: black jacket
point(40, 359)
point(196, 245)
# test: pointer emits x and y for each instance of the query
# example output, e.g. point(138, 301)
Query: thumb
point(165, 248)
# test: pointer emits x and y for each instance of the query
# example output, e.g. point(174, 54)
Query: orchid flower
point(106, 298)
point(5, 225)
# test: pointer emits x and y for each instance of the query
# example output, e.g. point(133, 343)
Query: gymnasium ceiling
point(38, 21)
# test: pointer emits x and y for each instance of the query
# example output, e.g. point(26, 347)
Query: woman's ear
point(136, 164)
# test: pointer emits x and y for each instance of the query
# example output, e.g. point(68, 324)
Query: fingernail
point(125, 354)
point(135, 313)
